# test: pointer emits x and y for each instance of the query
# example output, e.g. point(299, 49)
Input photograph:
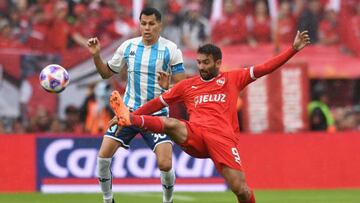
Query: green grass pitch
point(262, 196)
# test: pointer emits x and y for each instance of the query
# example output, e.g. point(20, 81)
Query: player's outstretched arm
point(301, 40)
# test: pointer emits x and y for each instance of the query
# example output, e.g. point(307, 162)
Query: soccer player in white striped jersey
point(144, 57)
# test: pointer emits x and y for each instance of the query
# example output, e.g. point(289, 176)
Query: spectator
point(195, 29)
point(123, 25)
point(19, 24)
point(106, 16)
point(286, 25)
point(320, 116)
point(83, 28)
point(231, 27)
point(328, 30)
point(171, 28)
point(59, 29)
point(48, 7)
point(41, 121)
point(357, 115)
point(4, 5)
point(39, 27)
point(2, 127)
point(299, 6)
point(72, 120)
point(309, 19)
point(259, 25)
point(18, 126)
point(348, 121)
point(56, 125)
point(8, 40)
point(95, 110)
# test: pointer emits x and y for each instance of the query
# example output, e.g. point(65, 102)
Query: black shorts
point(126, 134)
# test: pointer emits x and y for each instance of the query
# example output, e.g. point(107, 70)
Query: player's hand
point(93, 45)
point(301, 40)
point(163, 80)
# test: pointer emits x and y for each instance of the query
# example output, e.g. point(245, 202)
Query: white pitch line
point(185, 198)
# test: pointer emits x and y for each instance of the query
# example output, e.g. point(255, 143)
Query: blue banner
point(67, 164)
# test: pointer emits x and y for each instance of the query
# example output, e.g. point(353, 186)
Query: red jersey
point(286, 29)
point(232, 27)
point(211, 104)
point(261, 30)
point(328, 30)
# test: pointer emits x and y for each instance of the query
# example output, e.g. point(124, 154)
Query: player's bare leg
point(106, 152)
point(237, 183)
point(167, 176)
point(176, 129)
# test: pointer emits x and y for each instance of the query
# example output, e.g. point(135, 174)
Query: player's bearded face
point(150, 28)
point(208, 68)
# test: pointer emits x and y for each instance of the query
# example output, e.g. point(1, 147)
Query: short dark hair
point(150, 11)
point(210, 49)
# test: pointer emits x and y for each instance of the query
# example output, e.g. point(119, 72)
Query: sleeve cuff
point(112, 70)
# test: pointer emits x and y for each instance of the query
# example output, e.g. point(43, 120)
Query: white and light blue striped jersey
point(143, 62)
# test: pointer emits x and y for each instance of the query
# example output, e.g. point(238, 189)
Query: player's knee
point(108, 149)
point(103, 154)
point(164, 164)
point(171, 123)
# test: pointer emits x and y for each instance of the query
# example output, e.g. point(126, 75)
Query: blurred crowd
point(60, 25)
point(91, 117)
point(334, 105)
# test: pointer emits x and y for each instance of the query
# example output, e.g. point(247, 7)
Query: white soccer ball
point(54, 78)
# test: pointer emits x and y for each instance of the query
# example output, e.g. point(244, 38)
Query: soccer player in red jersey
point(212, 130)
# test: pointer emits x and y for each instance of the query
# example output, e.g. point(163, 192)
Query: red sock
point(252, 197)
point(152, 123)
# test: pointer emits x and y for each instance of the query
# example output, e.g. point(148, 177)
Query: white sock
point(105, 178)
point(168, 182)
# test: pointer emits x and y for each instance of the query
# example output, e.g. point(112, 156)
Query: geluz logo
point(76, 158)
point(209, 98)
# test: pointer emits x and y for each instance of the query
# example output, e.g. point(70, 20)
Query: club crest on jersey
point(220, 81)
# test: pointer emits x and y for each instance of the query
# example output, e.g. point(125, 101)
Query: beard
point(210, 74)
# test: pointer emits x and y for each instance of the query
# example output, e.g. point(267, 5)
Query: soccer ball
point(54, 78)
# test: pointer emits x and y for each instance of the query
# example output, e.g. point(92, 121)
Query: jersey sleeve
point(243, 77)
point(177, 62)
point(174, 94)
point(118, 61)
